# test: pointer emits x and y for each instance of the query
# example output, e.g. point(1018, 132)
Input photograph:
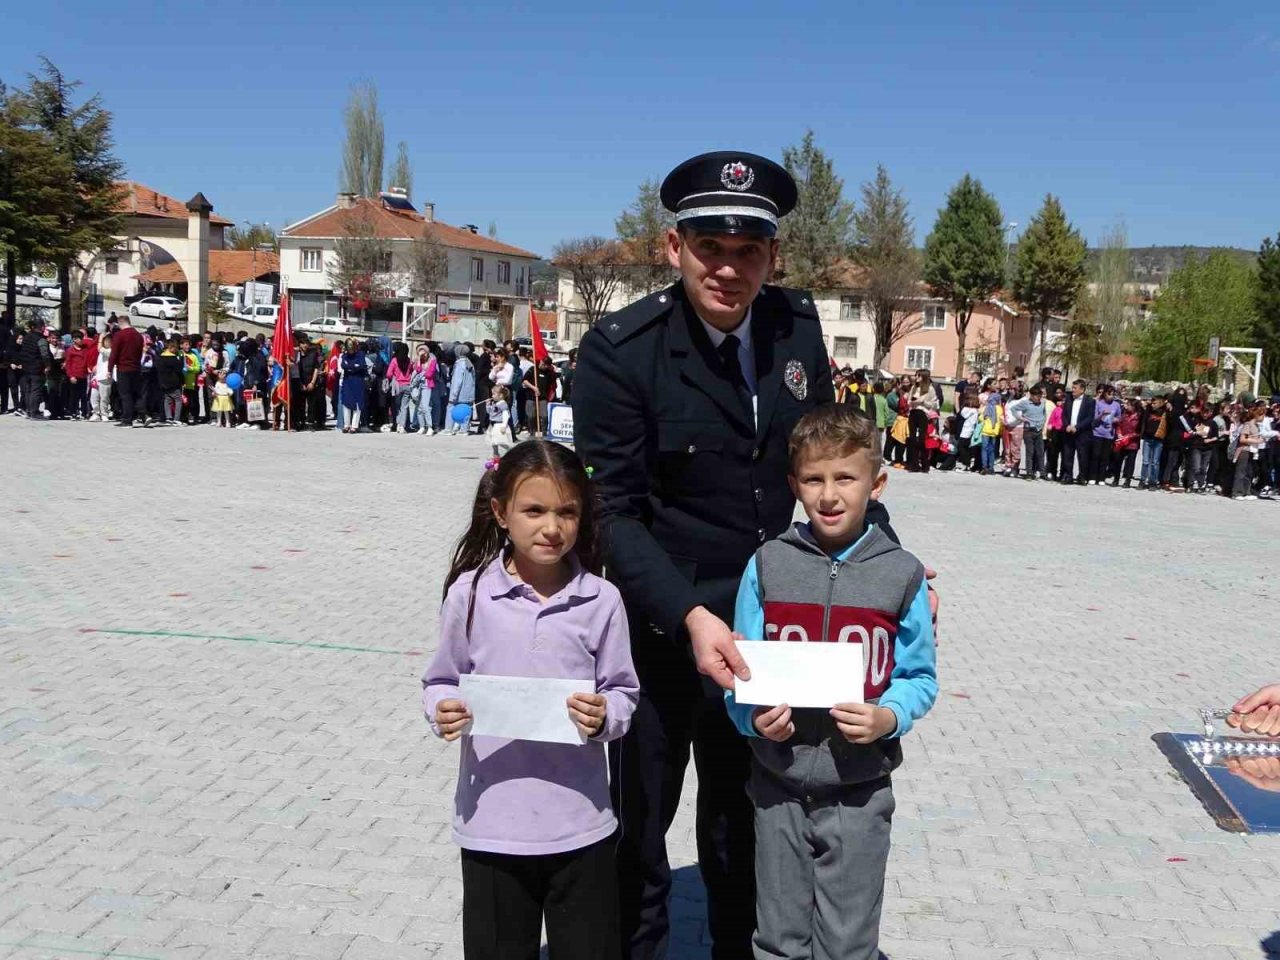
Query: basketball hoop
point(1204, 362)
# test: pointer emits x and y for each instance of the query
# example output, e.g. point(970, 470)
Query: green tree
point(642, 230)
point(1266, 324)
point(362, 152)
point(90, 217)
point(964, 255)
point(1082, 349)
point(34, 185)
point(816, 235)
point(1203, 299)
point(1049, 269)
point(493, 229)
point(402, 170)
point(256, 235)
point(884, 248)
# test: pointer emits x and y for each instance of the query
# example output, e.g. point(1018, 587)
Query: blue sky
point(545, 117)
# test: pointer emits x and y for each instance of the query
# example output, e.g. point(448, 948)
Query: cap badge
point(796, 379)
point(737, 176)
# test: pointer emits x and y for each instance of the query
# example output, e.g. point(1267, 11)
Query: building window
point(477, 269)
point(575, 325)
point(520, 281)
point(851, 308)
point(312, 259)
point(920, 358)
point(113, 267)
point(845, 347)
point(935, 317)
point(504, 271)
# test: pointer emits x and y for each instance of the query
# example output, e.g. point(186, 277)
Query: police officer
point(683, 403)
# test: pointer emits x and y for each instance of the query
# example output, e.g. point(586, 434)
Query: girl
point(923, 400)
point(524, 598)
point(399, 375)
point(462, 389)
point(1013, 427)
point(427, 367)
point(1128, 438)
point(968, 423)
point(354, 370)
point(498, 408)
point(102, 378)
point(1247, 435)
point(222, 405)
point(991, 422)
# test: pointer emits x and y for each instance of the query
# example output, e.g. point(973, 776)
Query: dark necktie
point(728, 351)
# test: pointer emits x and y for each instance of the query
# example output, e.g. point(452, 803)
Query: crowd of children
point(1177, 442)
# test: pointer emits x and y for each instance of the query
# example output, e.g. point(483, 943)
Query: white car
point(260, 313)
point(51, 293)
point(160, 307)
point(30, 285)
point(328, 326)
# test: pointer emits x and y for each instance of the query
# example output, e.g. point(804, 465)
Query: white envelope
point(522, 708)
point(800, 674)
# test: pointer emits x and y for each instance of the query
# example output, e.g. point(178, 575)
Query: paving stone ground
point(211, 745)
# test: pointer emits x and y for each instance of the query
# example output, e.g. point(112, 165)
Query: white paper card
point(800, 674)
point(522, 708)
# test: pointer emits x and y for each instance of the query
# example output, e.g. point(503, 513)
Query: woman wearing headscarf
point(462, 389)
point(354, 370)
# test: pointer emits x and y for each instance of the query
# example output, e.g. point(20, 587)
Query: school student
point(524, 598)
point(820, 778)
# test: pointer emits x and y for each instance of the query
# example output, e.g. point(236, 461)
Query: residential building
point(484, 276)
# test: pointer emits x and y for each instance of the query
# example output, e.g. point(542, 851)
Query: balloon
point(234, 380)
point(461, 412)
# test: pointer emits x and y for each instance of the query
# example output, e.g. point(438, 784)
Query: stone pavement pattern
point(211, 744)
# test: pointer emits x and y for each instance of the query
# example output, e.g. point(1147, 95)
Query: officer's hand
point(774, 723)
point(1259, 712)
point(714, 650)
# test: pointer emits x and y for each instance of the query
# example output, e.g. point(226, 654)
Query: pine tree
point(816, 235)
point(1050, 266)
point(362, 152)
point(642, 230)
point(964, 255)
point(402, 170)
point(1266, 325)
point(883, 246)
point(90, 217)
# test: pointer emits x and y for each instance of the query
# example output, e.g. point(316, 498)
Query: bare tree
point(597, 269)
point(362, 154)
point(890, 266)
point(360, 253)
point(426, 266)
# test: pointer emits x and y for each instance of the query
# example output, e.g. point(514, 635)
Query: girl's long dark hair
point(485, 539)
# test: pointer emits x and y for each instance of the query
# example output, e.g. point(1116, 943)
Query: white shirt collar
point(742, 331)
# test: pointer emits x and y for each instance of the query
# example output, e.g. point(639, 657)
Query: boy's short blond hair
point(833, 430)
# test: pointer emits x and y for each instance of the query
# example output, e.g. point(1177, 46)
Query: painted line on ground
point(80, 950)
point(271, 641)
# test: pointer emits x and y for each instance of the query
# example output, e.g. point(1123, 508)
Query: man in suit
point(683, 405)
point(1077, 434)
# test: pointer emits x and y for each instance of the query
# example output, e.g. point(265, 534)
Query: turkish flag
point(535, 333)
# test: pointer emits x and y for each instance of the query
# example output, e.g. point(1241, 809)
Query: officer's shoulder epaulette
point(799, 302)
point(630, 320)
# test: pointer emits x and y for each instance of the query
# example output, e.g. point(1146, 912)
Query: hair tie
point(590, 472)
point(492, 464)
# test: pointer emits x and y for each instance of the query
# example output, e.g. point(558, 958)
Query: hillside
point(1154, 264)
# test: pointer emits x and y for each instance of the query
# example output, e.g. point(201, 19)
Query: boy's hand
point(587, 711)
point(451, 717)
point(774, 723)
point(864, 722)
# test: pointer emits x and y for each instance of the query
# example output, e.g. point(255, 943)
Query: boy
point(820, 778)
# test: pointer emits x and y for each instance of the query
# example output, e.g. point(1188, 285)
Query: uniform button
point(759, 494)
point(755, 453)
point(692, 448)
point(760, 534)
point(808, 798)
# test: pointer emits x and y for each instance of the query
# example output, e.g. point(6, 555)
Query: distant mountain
point(1154, 264)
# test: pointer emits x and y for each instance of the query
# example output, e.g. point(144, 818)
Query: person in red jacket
point(75, 367)
point(126, 370)
point(90, 343)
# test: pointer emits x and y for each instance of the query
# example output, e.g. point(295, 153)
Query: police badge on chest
point(797, 381)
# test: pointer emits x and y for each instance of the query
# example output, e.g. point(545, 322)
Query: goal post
point(414, 316)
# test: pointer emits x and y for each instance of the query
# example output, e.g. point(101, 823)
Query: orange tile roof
point(230, 267)
point(143, 201)
point(393, 225)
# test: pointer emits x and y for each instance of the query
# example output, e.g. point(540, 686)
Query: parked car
point(51, 293)
point(135, 297)
point(30, 285)
point(328, 326)
point(260, 313)
point(160, 307)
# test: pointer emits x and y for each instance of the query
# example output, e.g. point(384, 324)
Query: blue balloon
point(234, 381)
point(461, 413)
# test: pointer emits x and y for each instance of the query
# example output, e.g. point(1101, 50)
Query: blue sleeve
point(913, 685)
point(748, 620)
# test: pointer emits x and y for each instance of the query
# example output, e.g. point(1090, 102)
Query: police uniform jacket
point(690, 486)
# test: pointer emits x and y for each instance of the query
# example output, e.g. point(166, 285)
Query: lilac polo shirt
point(519, 796)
